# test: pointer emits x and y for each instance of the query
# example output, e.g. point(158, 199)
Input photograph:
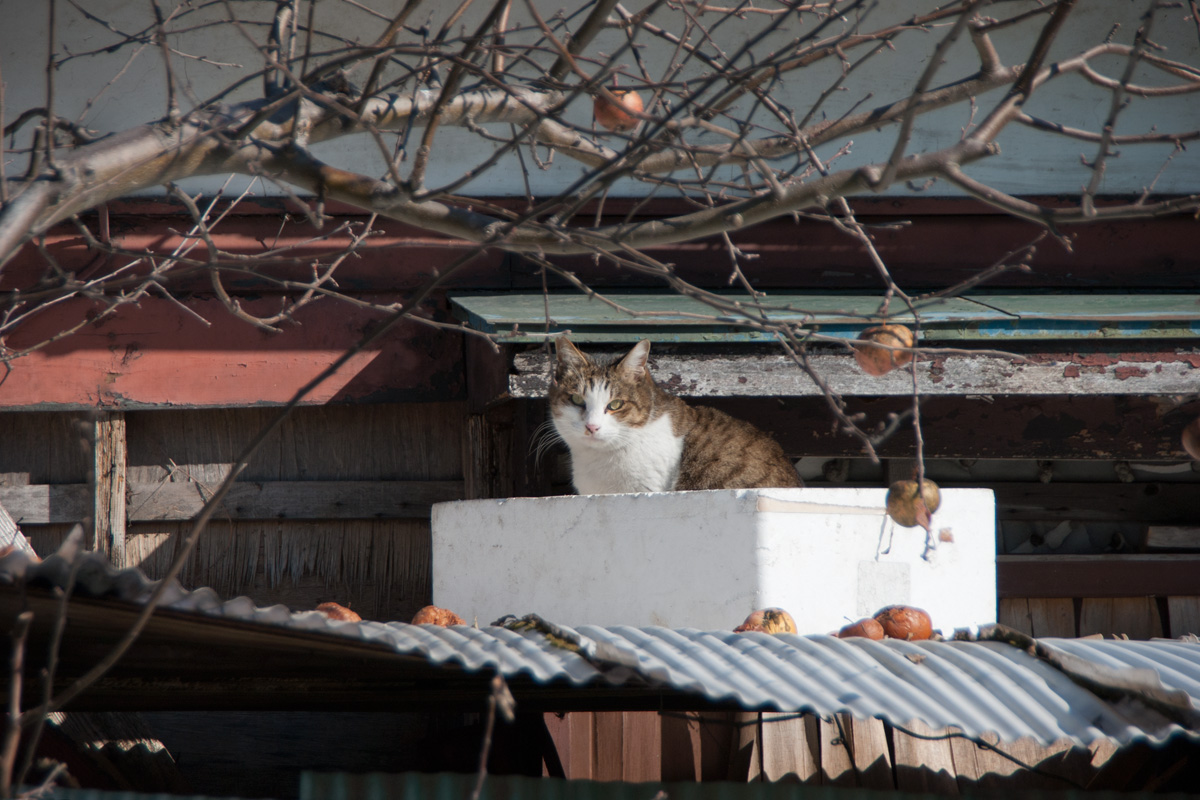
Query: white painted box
point(707, 559)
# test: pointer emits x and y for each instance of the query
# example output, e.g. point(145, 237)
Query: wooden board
point(1133, 576)
point(924, 760)
point(1009, 766)
point(1184, 616)
point(1173, 537)
point(1135, 617)
point(1039, 616)
point(790, 748)
point(297, 500)
point(380, 569)
point(837, 752)
point(1116, 371)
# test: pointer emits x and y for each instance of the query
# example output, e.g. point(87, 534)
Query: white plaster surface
point(707, 559)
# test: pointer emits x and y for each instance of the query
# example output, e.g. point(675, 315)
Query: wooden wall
point(848, 753)
point(333, 507)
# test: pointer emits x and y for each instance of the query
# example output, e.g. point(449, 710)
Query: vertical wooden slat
point(487, 449)
point(1039, 616)
point(790, 747)
point(641, 747)
point(995, 769)
point(681, 751)
point(1135, 617)
point(872, 756)
point(1014, 612)
point(574, 737)
point(609, 745)
point(1184, 614)
point(924, 764)
point(109, 468)
point(837, 756)
point(745, 755)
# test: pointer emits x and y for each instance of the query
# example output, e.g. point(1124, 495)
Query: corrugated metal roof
point(1047, 689)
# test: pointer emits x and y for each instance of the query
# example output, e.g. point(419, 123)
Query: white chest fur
point(641, 459)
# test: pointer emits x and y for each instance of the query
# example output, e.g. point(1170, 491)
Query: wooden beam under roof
point(1171, 370)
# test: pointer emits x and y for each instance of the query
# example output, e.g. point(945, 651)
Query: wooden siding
point(359, 533)
point(844, 752)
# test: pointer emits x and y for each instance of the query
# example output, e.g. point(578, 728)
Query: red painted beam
point(949, 240)
point(158, 354)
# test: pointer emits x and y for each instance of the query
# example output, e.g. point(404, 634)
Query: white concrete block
point(707, 559)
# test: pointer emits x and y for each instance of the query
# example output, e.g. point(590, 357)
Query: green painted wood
point(985, 317)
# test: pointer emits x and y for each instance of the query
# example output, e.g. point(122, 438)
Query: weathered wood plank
point(10, 534)
point(1135, 617)
point(609, 743)
point(1183, 616)
point(1136, 575)
point(1085, 502)
point(838, 760)
point(641, 746)
point(44, 446)
point(924, 760)
point(1173, 537)
point(871, 752)
point(407, 441)
point(109, 485)
point(1167, 371)
point(379, 568)
point(1000, 768)
point(1039, 616)
point(44, 504)
point(294, 500)
point(790, 748)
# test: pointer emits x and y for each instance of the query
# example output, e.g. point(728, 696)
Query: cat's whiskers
point(543, 440)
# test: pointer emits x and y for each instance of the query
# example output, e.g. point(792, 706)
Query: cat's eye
point(577, 399)
point(615, 405)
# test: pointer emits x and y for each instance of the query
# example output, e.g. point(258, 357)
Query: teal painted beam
point(980, 318)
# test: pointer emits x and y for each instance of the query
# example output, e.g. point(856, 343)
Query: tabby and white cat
point(626, 434)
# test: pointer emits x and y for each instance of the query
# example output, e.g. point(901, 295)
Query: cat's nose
point(591, 427)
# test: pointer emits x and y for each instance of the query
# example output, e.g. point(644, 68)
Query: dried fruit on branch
point(908, 508)
point(877, 360)
point(614, 117)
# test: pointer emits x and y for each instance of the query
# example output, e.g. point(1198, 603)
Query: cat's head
point(598, 404)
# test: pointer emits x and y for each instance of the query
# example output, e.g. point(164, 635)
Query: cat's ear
point(567, 356)
point(634, 362)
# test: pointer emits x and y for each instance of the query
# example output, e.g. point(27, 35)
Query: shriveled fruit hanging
point(875, 359)
point(621, 116)
point(909, 507)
